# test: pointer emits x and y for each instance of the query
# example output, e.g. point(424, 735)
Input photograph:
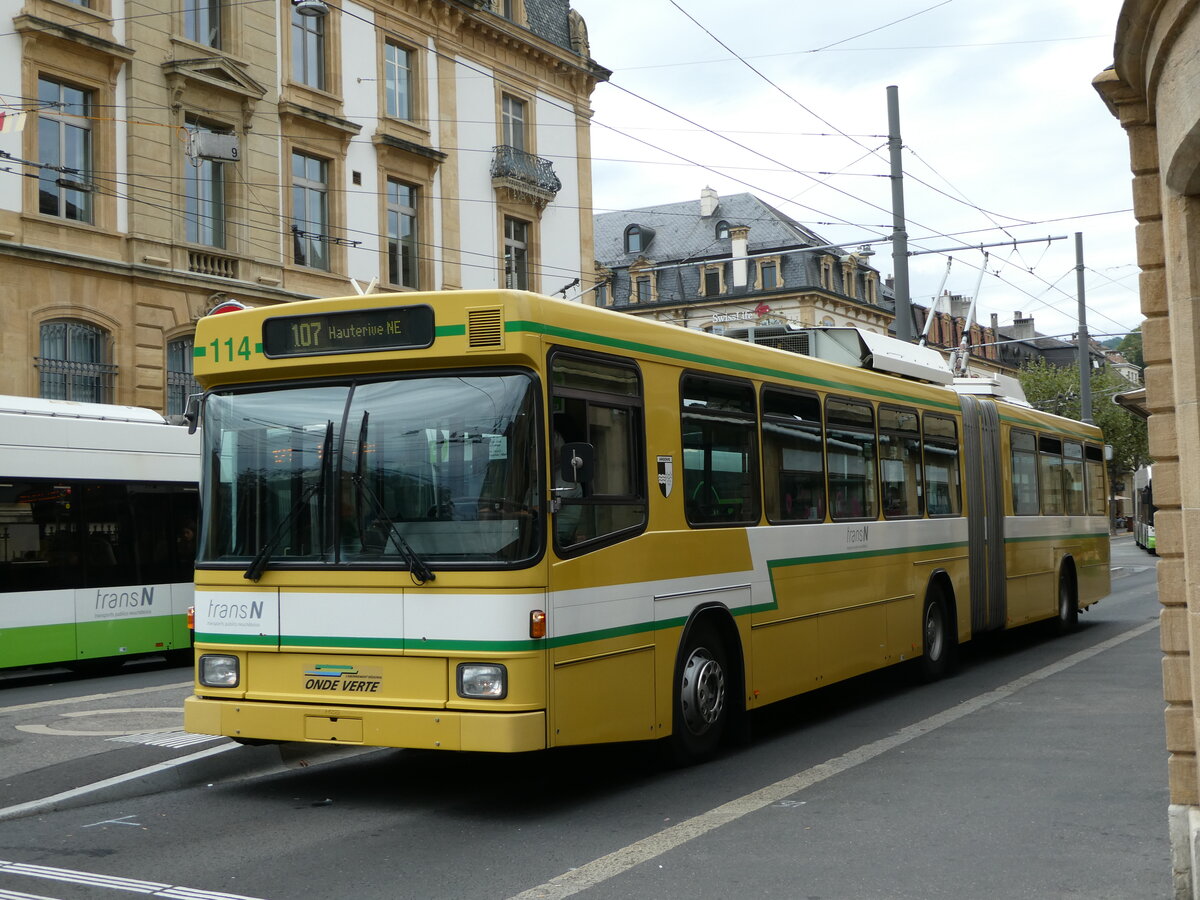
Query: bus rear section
point(98, 539)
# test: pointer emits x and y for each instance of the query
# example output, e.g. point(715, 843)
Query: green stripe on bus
point(700, 359)
point(1081, 536)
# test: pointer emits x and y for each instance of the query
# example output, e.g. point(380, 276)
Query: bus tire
point(1068, 604)
point(935, 637)
point(701, 704)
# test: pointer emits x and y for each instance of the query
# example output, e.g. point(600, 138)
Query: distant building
point(159, 163)
point(732, 261)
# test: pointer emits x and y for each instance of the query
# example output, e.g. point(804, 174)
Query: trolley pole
point(1085, 354)
point(899, 234)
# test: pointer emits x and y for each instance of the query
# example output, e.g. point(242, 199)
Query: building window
point(602, 294)
point(505, 8)
point(310, 210)
point(712, 280)
point(202, 22)
point(74, 362)
point(768, 274)
point(512, 119)
point(402, 233)
point(642, 289)
point(397, 78)
point(180, 382)
point(308, 49)
point(204, 198)
point(638, 238)
point(722, 230)
point(65, 151)
point(516, 254)
point(827, 272)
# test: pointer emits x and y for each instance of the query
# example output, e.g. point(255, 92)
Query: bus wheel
point(1068, 605)
point(935, 639)
point(701, 710)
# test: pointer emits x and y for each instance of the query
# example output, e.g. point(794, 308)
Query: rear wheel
point(935, 638)
point(701, 707)
point(1068, 604)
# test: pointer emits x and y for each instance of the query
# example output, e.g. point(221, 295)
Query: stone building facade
point(161, 158)
point(1151, 89)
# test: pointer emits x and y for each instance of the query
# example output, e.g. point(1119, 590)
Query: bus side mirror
point(577, 463)
point(191, 413)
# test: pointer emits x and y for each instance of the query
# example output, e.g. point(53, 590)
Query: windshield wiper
point(259, 563)
point(417, 568)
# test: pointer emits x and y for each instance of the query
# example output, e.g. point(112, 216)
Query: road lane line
point(90, 697)
point(620, 861)
point(47, 803)
point(134, 885)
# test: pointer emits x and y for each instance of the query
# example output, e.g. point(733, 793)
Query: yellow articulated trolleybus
point(493, 521)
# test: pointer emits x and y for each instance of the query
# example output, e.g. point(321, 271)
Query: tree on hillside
point(1055, 389)
point(1130, 347)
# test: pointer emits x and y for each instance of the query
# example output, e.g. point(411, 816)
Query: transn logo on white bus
point(119, 600)
point(856, 534)
point(343, 679)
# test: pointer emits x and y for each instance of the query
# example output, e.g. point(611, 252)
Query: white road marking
point(120, 821)
point(67, 701)
point(134, 885)
point(47, 803)
point(167, 738)
point(89, 713)
point(620, 861)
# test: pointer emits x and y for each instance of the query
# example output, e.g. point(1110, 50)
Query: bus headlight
point(477, 681)
point(218, 671)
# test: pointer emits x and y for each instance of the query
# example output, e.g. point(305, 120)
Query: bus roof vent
point(485, 328)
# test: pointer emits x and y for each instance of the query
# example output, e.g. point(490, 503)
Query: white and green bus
point(98, 508)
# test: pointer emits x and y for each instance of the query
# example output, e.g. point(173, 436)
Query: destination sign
point(352, 331)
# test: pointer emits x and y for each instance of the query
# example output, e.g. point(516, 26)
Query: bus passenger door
point(985, 514)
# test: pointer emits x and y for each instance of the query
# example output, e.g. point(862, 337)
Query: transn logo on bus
point(856, 534)
point(344, 679)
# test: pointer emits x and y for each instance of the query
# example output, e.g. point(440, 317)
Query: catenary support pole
point(899, 234)
point(1085, 355)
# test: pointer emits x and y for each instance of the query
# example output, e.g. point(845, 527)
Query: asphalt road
point(1037, 771)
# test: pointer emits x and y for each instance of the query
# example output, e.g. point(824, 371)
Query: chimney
point(740, 244)
point(1022, 328)
point(708, 202)
point(995, 322)
point(960, 306)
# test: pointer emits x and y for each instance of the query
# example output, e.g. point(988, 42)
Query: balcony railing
point(525, 176)
point(212, 264)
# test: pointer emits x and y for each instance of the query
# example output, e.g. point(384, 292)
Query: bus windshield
point(436, 470)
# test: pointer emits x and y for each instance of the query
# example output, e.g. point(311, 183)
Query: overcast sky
point(1000, 124)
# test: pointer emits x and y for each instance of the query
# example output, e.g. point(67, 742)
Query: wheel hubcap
point(933, 631)
point(702, 692)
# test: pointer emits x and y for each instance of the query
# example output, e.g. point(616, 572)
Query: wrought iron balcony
point(525, 176)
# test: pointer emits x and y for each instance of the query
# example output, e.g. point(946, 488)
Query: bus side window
point(900, 462)
point(1050, 465)
point(791, 441)
point(942, 486)
point(720, 454)
point(850, 451)
point(1024, 474)
point(599, 402)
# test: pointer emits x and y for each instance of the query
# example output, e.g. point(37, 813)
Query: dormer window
point(722, 230)
point(638, 238)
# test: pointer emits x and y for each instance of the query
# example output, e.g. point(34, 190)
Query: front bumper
point(369, 726)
